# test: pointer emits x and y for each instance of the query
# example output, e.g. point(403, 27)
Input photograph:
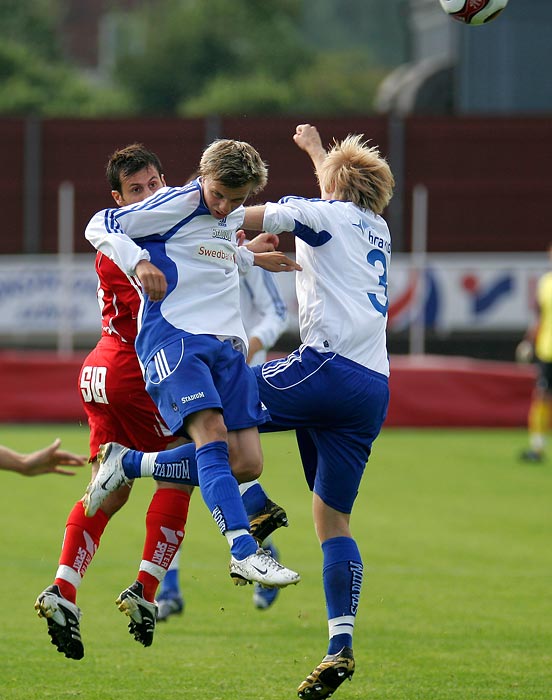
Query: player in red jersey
point(118, 407)
point(120, 410)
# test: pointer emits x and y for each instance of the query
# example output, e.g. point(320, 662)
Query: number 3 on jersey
point(92, 384)
point(374, 257)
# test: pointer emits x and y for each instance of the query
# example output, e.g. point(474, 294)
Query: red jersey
point(111, 383)
point(119, 300)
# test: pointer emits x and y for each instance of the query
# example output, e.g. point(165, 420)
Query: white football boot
point(260, 567)
point(109, 478)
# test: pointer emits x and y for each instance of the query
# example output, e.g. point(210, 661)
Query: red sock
point(80, 542)
point(165, 524)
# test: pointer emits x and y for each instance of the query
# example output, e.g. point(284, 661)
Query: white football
point(473, 11)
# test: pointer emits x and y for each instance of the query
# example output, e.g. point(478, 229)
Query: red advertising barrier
point(40, 387)
point(426, 391)
point(458, 392)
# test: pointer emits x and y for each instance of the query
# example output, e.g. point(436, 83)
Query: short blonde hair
point(234, 164)
point(355, 172)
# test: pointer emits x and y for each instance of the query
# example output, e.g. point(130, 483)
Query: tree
point(32, 24)
point(193, 58)
point(339, 82)
point(35, 78)
point(176, 55)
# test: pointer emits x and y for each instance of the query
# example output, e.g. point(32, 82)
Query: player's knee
point(246, 467)
point(207, 426)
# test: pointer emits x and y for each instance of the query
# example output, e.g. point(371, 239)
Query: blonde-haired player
point(182, 245)
point(334, 389)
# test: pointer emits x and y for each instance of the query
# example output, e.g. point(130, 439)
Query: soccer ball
point(473, 11)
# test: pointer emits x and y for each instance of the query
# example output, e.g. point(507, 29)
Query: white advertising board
point(483, 292)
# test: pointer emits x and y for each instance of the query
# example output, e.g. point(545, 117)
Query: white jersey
point(197, 253)
point(345, 253)
point(263, 310)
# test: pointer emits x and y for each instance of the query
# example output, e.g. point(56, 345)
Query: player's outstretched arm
point(276, 262)
point(308, 139)
point(48, 460)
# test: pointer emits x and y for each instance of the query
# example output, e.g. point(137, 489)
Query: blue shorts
point(337, 408)
point(198, 372)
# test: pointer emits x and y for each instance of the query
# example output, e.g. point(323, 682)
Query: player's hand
point(276, 262)
point(524, 352)
point(308, 139)
point(154, 282)
point(49, 459)
point(263, 243)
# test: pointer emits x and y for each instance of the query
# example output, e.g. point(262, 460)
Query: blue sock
point(254, 499)
point(342, 578)
point(243, 546)
point(177, 465)
point(219, 488)
point(132, 461)
point(169, 583)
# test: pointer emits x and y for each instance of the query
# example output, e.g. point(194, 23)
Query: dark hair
point(129, 160)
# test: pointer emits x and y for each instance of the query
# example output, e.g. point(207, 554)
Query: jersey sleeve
point(114, 232)
point(299, 216)
point(245, 259)
point(107, 237)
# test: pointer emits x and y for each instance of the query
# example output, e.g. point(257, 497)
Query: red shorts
point(118, 407)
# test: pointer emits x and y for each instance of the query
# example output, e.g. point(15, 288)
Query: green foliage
point(36, 80)
point(334, 83)
point(195, 58)
point(454, 532)
point(32, 24)
point(188, 49)
point(35, 86)
point(239, 96)
point(246, 57)
point(339, 82)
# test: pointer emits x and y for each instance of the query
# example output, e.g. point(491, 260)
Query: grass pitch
point(455, 536)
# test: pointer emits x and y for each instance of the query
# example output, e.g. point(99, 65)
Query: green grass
point(455, 537)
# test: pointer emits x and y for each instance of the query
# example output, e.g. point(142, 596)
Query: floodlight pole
point(419, 262)
point(66, 215)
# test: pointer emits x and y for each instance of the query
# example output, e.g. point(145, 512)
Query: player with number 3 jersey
point(333, 390)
